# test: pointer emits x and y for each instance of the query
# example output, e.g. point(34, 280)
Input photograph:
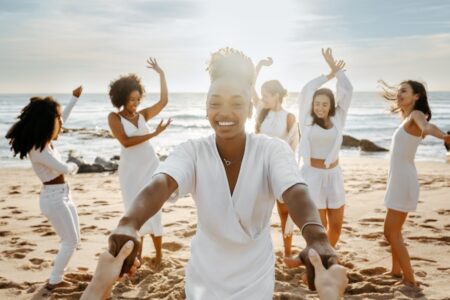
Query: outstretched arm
point(155, 109)
point(428, 128)
point(127, 141)
point(305, 214)
point(76, 93)
point(148, 202)
point(263, 62)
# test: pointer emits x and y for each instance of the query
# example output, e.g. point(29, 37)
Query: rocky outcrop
point(99, 165)
point(363, 145)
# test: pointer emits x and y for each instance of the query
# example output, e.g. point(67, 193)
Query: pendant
point(227, 162)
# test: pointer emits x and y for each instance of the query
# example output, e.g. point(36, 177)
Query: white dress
point(402, 192)
point(231, 252)
point(136, 167)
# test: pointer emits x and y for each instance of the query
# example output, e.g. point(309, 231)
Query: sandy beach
point(28, 243)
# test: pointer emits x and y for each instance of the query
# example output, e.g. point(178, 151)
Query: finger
point(331, 261)
point(126, 250)
point(309, 269)
point(315, 260)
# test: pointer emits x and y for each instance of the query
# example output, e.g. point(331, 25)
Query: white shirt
point(231, 253)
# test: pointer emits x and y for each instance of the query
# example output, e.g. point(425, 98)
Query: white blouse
point(48, 164)
point(231, 253)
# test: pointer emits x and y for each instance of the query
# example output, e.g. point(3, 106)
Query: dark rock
point(349, 141)
point(107, 165)
point(368, 146)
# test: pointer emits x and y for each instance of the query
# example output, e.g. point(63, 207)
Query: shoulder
point(417, 114)
point(113, 116)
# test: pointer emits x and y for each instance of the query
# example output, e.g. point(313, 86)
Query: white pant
point(56, 204)
point(326, 186)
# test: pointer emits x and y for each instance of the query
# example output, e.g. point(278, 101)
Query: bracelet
point(310, 223)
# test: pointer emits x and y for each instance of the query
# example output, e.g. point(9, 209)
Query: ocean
point(369, 118)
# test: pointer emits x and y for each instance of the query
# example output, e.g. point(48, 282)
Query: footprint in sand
point(167, 210)
point(87, 229)
point(17, 253)
point(373, 271)
point(52, 251)
point(5, 233)
point(423, 259)
point(372, 235)
point(3, 223)
point(172, 246)
point(430, 220)
point(444, 212)
point(101, 203)
point(442, 240)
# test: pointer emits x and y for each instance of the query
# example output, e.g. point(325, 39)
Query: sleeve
point(344, 93)
point(46, 158)
point(305, 98)
point(293, 137)
point(68, 108)
point(180, 165)
point(283, 169)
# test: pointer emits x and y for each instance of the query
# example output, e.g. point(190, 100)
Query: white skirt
point(326, 186)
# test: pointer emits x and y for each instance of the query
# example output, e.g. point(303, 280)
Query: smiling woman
point(234, 177)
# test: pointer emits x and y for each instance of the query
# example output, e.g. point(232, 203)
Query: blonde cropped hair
point(231, 63)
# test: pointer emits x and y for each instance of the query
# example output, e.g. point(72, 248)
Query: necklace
point(130, 118)
point(227, 162)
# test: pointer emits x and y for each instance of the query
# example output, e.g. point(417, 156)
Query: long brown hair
point(272, 87)
point(390, 94)
point(332, 112)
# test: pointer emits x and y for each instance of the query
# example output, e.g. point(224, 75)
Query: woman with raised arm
point(138, 159)
point(322, 119)
point(402, 194)
point(39, 124)
point(273, 120)
point(235, 178)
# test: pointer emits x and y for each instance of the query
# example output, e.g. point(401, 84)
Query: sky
point(54, 45)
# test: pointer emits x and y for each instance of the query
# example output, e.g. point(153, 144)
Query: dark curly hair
point(35, 126)
point(120, 89)
point(332, 112)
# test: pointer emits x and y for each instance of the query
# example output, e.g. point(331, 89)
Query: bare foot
point(62, 284)
point(292, 262)
point(392, 274)
point(407, 283)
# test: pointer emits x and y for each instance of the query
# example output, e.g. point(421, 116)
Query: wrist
point(128, 222)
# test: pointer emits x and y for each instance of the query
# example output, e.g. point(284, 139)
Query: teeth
point(226, 123)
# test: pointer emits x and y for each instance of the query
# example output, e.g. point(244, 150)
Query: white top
point(231, 252)
point(48, 164)
point(344, 92)
point(275, 125)
point(322, 141)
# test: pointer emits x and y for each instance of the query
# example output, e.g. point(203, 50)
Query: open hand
point(161, 126)
point(153, 64)
point(335, 65)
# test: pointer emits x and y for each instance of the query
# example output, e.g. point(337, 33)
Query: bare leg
point(400, 256)
point(139, 252)
point(287, 241)
point(323, 217)
point(157, 242)
point(335, 219)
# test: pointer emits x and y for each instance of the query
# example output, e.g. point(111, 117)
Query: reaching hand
point(330, 283)
point(161, 126)
point(334, 65)
point(266, 62)
point(446, 139)
point(77, 92)
point(153, 64)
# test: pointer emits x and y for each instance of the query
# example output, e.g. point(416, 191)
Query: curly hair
point(390, 94)
point(272, 87)
point(332, 112)
point(229, 62)
point(120, 89)
point(35, 126)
